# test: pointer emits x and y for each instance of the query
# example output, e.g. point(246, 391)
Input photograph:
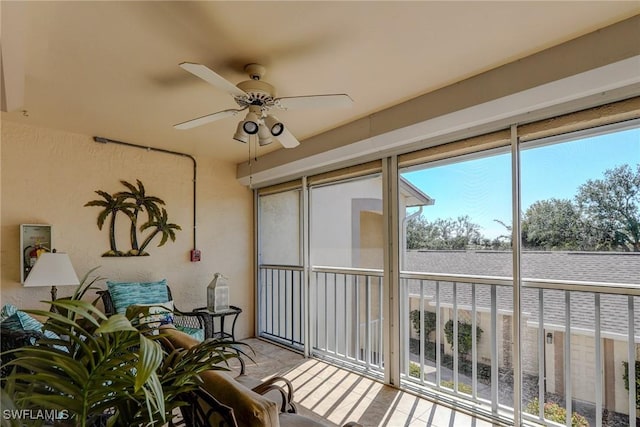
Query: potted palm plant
point(102, 370)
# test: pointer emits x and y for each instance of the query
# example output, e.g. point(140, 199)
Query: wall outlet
point(195, 255)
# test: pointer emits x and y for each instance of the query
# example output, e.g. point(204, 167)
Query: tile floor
point(337, 396)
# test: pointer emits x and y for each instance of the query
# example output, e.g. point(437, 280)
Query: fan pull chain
point(250, 164)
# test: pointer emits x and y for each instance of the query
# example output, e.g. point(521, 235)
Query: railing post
point(438, 336)
point(567, 358)
point(357, 328)
point(474, 344)
point(368, 322)
point(326, 313)
point(422, 332)
point(494, 351)
point(335, 314)
point(598, 373)
point(541, 355)
point(455, 337)
point(632, 363)
point(346, 320)
point(380, 325)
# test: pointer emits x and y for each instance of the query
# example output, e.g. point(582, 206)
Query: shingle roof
point(573, 266)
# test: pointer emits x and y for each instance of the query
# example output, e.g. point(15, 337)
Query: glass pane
point(346, 224)
point(581, 223)
point(280, 287)
point(461, 221)
point(280, 228)
point(346, 231)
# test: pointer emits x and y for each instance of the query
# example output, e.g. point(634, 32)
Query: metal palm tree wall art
point(131, 203)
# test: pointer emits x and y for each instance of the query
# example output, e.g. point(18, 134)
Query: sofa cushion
point(124, 294)
point(177, 338)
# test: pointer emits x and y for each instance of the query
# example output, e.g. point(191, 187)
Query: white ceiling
point(110, 69)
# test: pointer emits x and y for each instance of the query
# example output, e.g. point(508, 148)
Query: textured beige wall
point(52, 174)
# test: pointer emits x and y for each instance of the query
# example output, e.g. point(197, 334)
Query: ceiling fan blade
point(206, 119)
point(287, 139)
point(211, 77)
point(315, 101)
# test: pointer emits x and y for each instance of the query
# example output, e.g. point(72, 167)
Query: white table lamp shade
point(52, 269)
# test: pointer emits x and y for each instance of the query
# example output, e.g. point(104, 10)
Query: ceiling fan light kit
point(251, 121)
point(259, 97)
point(264, 136)
point(274, 125)
point(240, 134)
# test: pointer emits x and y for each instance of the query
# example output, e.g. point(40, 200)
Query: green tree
point(141, 202)
point(553, 224)
point(442, 233)
point(611, 206)
point(162, 225)
point(420, 232)
point(112, 205)
point(503, 241)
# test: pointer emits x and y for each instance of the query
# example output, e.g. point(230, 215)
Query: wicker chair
point(189, 319)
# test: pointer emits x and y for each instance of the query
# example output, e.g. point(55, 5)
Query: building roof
point(415, 196)
point(606, 267)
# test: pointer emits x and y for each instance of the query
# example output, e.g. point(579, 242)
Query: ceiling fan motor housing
point(258, 93)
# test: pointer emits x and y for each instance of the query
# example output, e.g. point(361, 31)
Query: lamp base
point(54, 296)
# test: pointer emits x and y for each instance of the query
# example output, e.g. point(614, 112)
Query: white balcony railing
point(574, 314)
point(347, 317)
point(574, 337)
point(281, 315)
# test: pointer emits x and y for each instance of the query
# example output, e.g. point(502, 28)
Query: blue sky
point(482, 188)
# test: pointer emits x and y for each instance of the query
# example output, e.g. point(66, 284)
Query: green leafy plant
point(555, 412)
point(103, 365)
point(465, 342)
point(429, 324)
point(414, 370)
point(625, 377)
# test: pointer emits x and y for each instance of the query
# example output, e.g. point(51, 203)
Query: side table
point(210, 329)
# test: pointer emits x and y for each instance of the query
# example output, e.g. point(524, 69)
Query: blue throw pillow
point(124, 294)
point(7, 311)
point(21, 321)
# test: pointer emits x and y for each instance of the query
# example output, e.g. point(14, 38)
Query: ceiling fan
point(259, 97)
